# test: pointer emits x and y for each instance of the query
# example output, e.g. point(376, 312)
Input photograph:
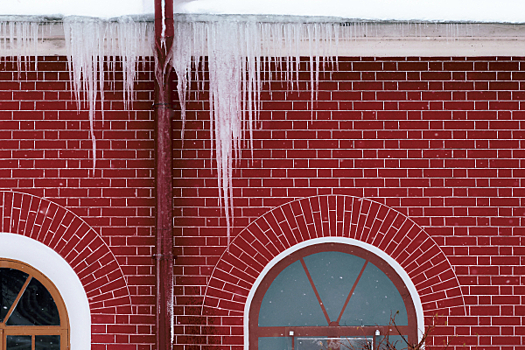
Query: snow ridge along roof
point(477, 11)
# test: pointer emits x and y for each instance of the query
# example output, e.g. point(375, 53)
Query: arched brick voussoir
point(334, 216)
point(73, 239)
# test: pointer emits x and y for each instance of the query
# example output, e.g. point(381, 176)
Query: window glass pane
point(47, 342)
point(11, 282)
point(334, 274)
point(391, 342)
point(374, 301)
point(341, 343)
point(35, 308)
point(291, 301)
point(274, 343)
point(18, 342)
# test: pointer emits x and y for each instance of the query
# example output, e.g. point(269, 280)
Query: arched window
point(32, 313)
point(330, 294)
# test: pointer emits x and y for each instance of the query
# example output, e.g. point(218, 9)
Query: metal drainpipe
point(163, 175)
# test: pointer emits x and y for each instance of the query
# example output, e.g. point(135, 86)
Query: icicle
point(85, 43)
point(237, 64)
point(88, 41)
point(20, 39)
point(132, 43)
point(224, 67)
point(312, 71)
point(182, 63)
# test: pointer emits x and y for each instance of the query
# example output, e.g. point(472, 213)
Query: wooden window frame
point(62, 330)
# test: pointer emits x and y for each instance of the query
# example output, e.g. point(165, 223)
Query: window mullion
point(18, 297)
point(315, 290)
point(351, 292)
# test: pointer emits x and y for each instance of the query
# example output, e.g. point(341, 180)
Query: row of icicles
point(238, 52)
point(240, 55)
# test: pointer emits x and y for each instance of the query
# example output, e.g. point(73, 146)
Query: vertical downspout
point(163, 175)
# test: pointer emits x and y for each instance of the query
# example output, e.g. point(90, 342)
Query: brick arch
point(333, 216)
point(75, 241)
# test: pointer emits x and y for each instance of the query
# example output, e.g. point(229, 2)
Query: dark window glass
point(11, 282)
point(35, 308)
point(47, 342)
point(18, 342)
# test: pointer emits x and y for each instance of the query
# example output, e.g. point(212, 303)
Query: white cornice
point(369, 39)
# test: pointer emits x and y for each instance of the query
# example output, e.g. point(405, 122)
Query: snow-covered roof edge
point(456, 11)
point(363, 38)
point(274, 18)
point(60, 18)
point(472, 11)
point(261, 18)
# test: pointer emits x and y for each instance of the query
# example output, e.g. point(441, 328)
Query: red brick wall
point(438, 140)
point(101, 224)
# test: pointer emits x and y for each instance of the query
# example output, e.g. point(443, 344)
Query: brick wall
point(102, 224)
point(437, 140)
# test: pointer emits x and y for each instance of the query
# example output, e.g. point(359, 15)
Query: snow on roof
point(502, 11)
point(93, 8)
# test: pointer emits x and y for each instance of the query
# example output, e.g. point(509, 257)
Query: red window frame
point(333, 329)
